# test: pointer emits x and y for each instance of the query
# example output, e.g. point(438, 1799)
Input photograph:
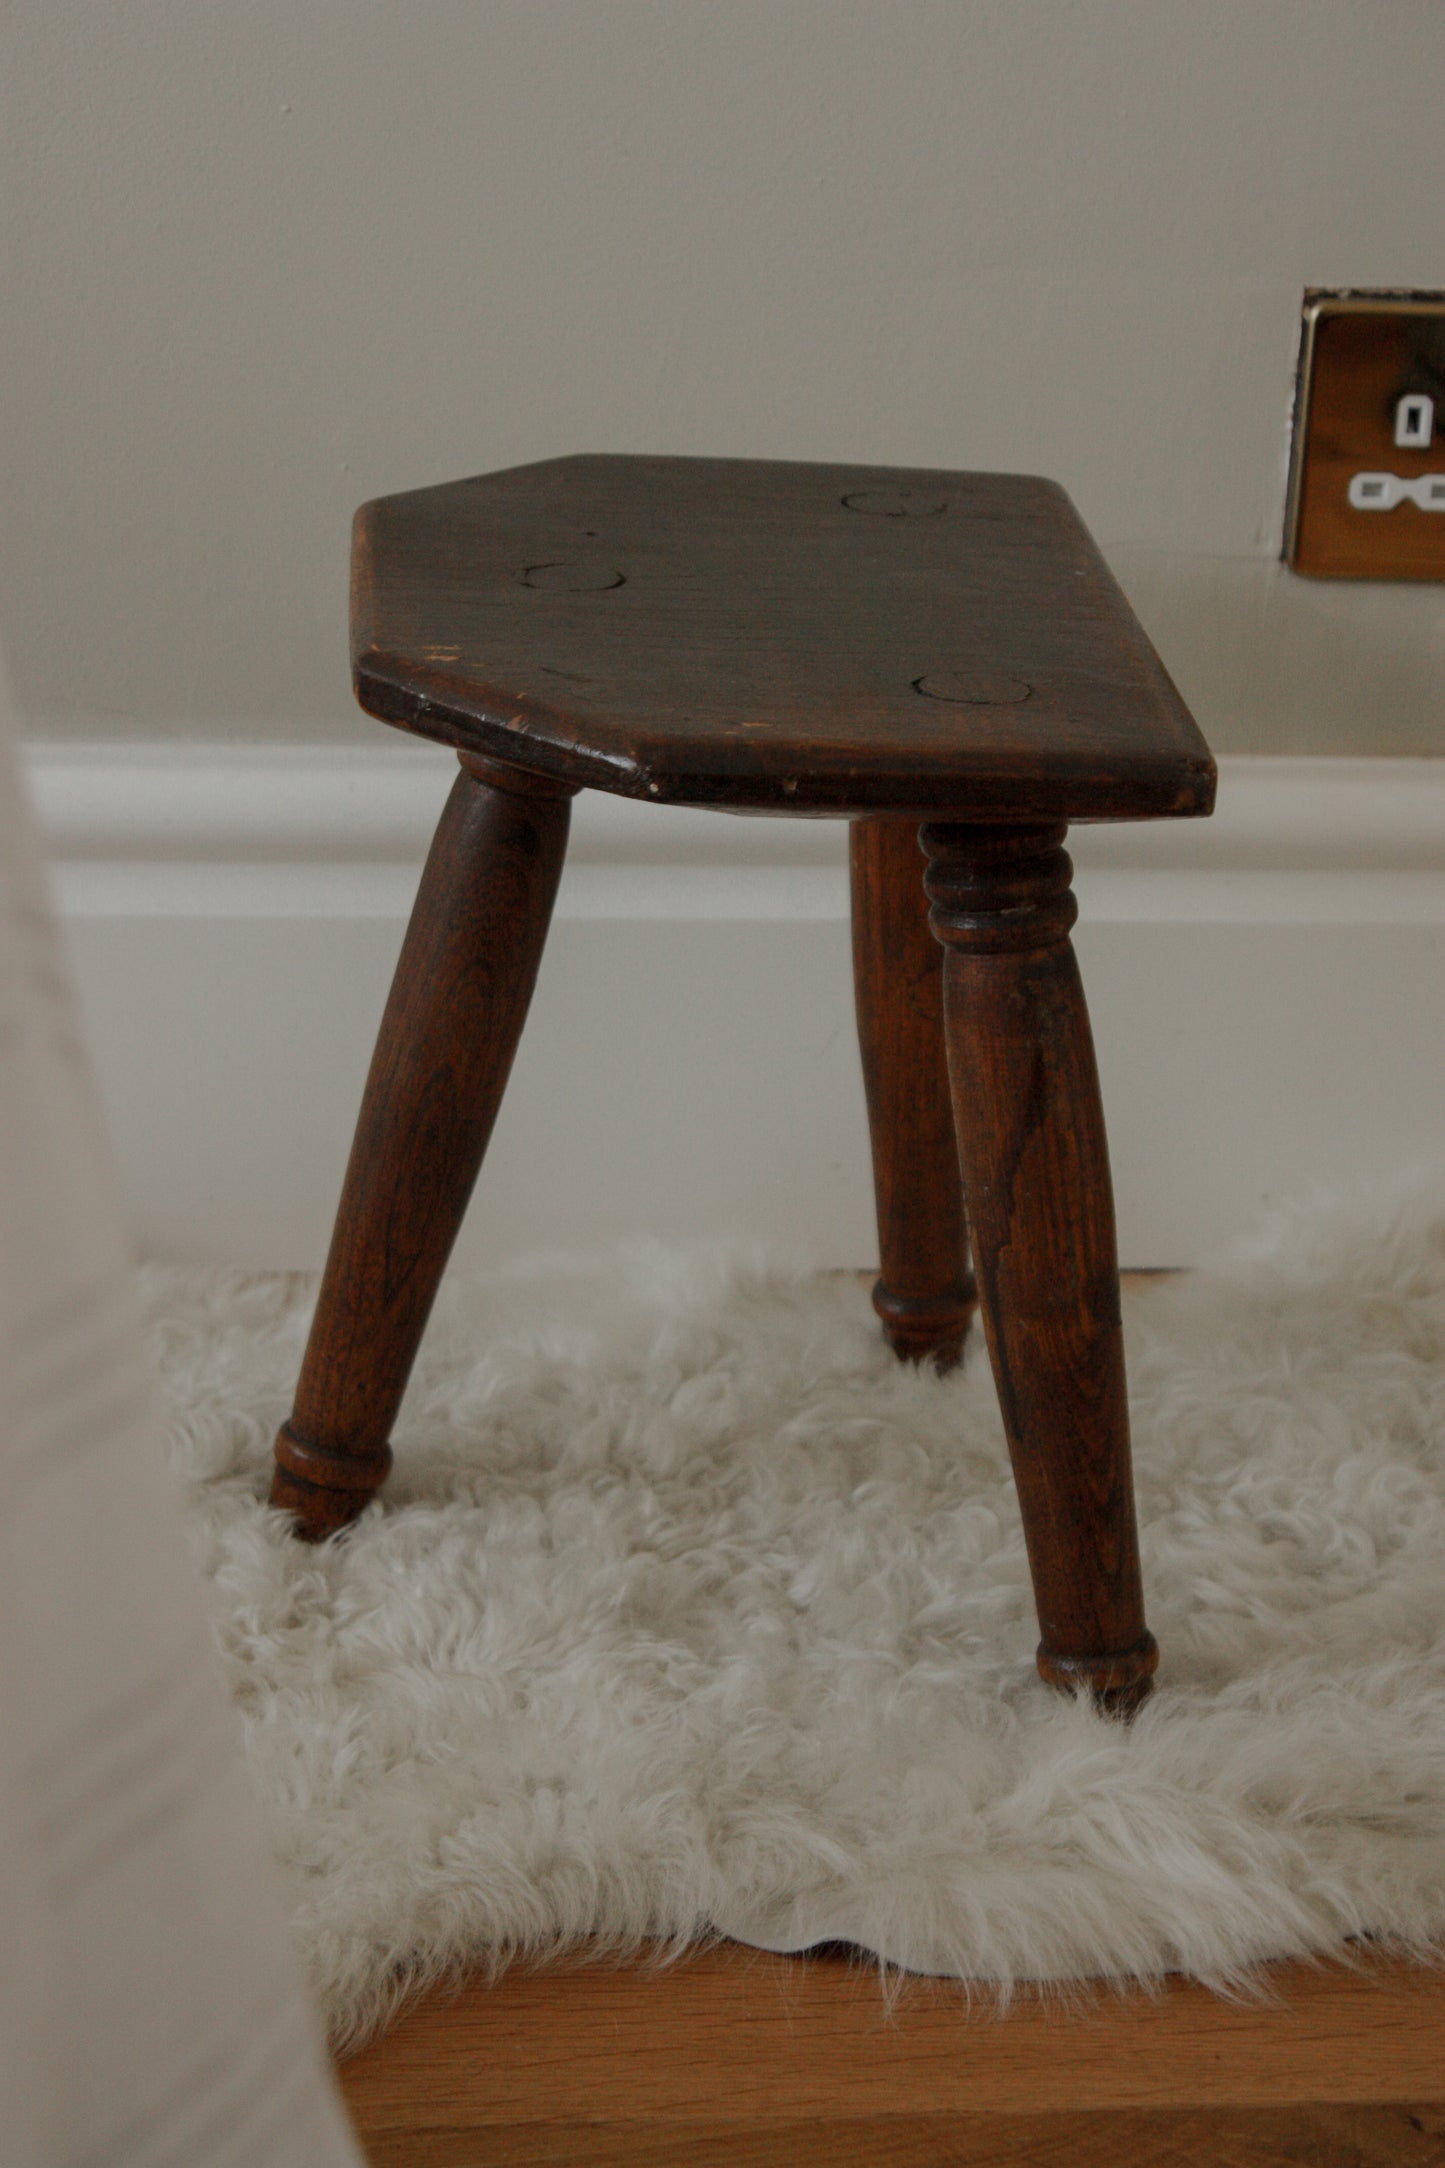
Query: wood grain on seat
point(774, 636)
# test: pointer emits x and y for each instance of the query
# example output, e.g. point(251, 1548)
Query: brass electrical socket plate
point(1359, 352)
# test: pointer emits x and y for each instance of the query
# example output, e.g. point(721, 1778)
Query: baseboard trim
point(155, 829)
point(1265, 988)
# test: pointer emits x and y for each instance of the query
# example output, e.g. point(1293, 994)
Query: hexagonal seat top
point(773, 636)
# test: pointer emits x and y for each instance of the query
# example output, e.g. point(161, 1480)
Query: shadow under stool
point(945, 661)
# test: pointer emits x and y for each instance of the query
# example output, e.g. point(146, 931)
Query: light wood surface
point(740, 2056)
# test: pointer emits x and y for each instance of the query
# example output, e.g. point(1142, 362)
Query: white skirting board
point(1266, 989)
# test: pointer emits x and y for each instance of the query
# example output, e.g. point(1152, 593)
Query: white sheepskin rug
point(688, 1610)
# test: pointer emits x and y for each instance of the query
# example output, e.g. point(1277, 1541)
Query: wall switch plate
point(1367, 465)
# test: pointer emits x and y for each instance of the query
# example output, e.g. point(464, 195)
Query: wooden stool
point(896, 647)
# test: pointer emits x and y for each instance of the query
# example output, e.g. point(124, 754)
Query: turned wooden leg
point(925, 1292)
point(448, 1035)
point(1041, 1213)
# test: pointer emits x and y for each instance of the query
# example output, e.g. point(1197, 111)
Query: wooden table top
point(773, 636)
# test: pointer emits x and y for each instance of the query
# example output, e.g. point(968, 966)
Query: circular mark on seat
point(571, 576)
point(972, 688)
point(895, 503)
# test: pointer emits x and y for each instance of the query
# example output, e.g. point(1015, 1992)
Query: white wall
point(263, 260)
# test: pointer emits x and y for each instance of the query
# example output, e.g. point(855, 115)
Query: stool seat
point(773, 636)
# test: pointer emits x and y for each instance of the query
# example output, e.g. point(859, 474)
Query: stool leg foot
point(1036, 1174)
point(448, 1035)
point(924, 1293)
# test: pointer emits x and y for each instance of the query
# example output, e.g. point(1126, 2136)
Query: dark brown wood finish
point(924, 1292)
point(1041, 1214)
point(448, 1035)
point(756, 633)
point(800, 639)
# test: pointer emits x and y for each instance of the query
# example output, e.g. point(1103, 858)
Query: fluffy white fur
point(689, 1609)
